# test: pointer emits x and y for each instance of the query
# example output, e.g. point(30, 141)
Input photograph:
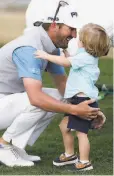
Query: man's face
point(63, 35)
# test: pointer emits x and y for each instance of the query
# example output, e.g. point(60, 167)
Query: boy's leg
point(68, 138)
point(84, 149)
point(68, 157)
point(84, 146)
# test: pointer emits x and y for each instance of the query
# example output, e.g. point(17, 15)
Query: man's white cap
point(66, 15)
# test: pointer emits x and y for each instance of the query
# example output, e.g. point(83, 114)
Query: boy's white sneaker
point(10, 157)
point(25, 156)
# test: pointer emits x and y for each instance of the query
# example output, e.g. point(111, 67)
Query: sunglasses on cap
point(55, 18)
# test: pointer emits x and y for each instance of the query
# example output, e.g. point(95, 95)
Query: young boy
point(84, 72)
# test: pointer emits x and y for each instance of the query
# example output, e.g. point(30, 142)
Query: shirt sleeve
point(55, 68)
point(27, 65)
point(80, 60)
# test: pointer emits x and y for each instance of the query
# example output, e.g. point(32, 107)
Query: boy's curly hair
point(94, 39)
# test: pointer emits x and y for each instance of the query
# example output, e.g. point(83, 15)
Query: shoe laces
point(15, 153)
point(20, 151)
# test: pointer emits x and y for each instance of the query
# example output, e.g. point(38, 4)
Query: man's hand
point(85, 111)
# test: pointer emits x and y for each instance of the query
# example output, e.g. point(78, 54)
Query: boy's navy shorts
point(75, 122)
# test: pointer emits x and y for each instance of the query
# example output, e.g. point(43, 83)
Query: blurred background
point(12, 19)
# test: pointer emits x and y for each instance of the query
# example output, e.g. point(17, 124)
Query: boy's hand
point(66, 53)
point(41, 54)
point(99, 121)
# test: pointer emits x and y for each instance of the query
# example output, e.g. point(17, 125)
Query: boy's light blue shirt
point(83, 75)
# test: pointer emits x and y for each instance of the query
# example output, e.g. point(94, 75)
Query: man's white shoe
point(10, 157)
point(25, 156)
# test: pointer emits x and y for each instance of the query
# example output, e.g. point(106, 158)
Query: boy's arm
point(60, 60)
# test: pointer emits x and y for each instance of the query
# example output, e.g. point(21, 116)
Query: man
point(25, 107)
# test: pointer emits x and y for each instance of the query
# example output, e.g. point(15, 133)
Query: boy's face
point(63, 35)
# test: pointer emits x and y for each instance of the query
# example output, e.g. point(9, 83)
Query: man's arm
point(60, 82)
point(40, 99)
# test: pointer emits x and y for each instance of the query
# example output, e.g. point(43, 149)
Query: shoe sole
point(65, 163)
point(37, 162)
point(87, 168)
point(1, 163)
point(81, 170)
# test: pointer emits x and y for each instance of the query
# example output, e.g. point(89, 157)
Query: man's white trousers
point(23, 122)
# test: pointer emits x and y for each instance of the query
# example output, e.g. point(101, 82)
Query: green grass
point(49, 145)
